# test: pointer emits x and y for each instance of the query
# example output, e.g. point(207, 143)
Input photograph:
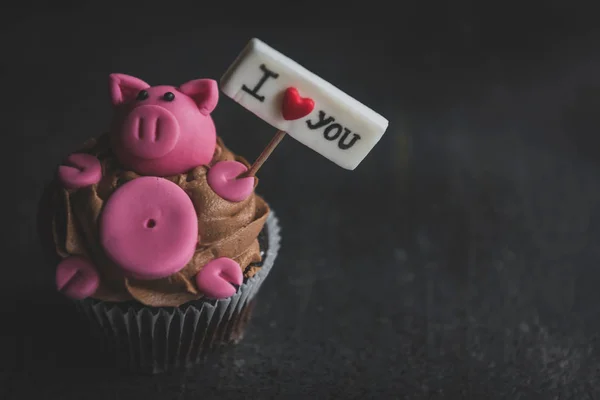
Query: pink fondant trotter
point(222, 178)
point(216, 278)
point(77, 278)
point(80, 170)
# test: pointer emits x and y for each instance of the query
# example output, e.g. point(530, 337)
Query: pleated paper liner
point(158, 339)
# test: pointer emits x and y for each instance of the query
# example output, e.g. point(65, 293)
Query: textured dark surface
point(459, 260)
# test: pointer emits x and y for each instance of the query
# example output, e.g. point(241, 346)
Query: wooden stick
point(264, 155)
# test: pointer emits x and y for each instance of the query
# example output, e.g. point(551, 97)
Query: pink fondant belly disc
point(149, 227)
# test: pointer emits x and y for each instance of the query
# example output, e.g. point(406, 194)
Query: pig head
point(163, 130)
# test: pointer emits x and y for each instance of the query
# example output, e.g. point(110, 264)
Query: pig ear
point(204, 92)
point(124, 88)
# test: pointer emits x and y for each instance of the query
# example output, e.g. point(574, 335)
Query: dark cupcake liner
point(158, 339)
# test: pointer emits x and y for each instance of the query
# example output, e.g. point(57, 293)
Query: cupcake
point(154, 233)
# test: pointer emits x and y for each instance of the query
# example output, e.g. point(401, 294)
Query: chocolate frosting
point(225, 229)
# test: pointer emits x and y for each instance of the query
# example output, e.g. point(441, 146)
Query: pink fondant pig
point(157, 131)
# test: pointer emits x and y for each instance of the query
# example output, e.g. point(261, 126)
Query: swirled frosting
point(225, 229)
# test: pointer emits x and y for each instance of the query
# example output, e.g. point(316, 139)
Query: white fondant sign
point(338, 127)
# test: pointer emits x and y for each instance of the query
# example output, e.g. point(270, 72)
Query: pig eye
point(169, 96)
point(142, 95)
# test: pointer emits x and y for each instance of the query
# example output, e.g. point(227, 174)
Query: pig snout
point(150, 132)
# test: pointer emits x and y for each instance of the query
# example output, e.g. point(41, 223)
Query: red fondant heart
point(294, 106)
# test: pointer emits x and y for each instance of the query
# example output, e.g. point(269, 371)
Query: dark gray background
point(459, 260)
